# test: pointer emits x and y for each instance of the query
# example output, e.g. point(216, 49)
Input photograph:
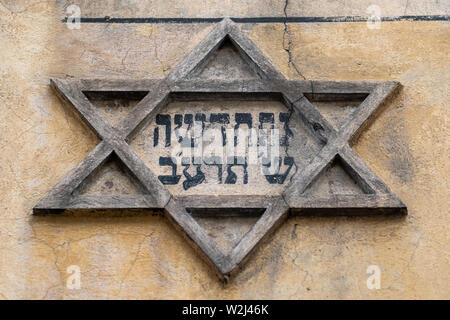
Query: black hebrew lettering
point(178, 121)
point(232, 177)
point(279, 178)
point(224, 119)
point(169, 179)
point(284, 117)
point(241, 118)
point(199, 117)
point(164, 120)
point(265, 118)
point(192, 181)
point(156, 136)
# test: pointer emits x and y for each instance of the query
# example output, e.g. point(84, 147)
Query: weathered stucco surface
point(137, 255)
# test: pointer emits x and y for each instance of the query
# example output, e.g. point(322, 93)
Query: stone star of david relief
point(299, 196)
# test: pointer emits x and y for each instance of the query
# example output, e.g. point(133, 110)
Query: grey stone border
point(379, 199)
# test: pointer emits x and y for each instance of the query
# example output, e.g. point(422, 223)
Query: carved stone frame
point(379, 199)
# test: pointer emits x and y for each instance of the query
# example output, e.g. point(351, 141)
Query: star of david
point(377, 197)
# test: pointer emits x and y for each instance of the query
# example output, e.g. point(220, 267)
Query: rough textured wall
point(137, 255)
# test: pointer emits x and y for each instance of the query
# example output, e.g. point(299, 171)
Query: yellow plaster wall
point(142, 256)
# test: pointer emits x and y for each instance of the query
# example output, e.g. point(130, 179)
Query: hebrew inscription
point(215, 147)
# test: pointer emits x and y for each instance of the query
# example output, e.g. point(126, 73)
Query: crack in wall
point(287, 46)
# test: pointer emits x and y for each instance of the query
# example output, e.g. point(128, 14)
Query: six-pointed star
point(114, 140)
